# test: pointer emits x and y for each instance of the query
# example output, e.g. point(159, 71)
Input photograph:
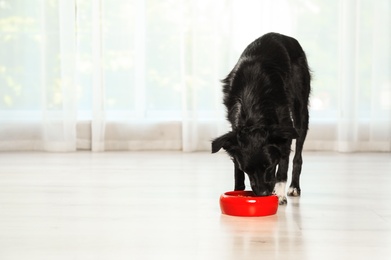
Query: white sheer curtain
point(38, 106)
point(351, 101)
point(144, 74)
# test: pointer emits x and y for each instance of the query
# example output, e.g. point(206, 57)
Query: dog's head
point(257, 151)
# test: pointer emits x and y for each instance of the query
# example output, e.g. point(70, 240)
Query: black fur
point(266, 95)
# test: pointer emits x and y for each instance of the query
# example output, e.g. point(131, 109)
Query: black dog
point(266, 95)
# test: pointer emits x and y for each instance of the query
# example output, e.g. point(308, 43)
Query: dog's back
point(269, 84)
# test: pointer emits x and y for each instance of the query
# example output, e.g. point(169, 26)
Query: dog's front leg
point(281, 178)
point(239, 178)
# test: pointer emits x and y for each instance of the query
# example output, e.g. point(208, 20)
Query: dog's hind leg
point(239, 178)
point(294, 188)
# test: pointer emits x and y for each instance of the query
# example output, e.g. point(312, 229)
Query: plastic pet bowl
point(247, 204)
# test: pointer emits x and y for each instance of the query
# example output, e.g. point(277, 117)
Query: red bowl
point(247, 204)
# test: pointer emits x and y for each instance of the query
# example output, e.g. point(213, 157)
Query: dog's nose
point(261, 193)
point(264, 193)
point(259, 188)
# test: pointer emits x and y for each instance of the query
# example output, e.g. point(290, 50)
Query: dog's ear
point(224, 141)
point(284, 132)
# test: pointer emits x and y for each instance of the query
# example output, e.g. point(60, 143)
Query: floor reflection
point(270, 236)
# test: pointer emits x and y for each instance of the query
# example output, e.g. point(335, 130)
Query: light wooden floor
point(152, 205)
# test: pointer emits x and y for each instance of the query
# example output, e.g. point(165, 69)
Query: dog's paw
point(282, 200)
point(294, 192)
point(279, 191)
